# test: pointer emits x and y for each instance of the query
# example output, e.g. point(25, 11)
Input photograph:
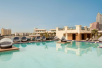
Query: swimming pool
point(53, 55)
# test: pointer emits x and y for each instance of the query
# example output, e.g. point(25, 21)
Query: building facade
point(74, 33)
point(99, 19)
point(5, 32)
point(94, 25)
point(39, 31)
point(21, 34)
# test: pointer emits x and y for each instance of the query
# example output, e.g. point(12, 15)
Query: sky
point(25, 15)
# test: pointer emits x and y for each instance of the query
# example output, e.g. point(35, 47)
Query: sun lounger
point(16, 39)
point(38, 38)
point(90, 39)
point(63, 39)
point(56, 38)
point(6, 43)
point(43, 38)
point(87, 39)
point(23, 39)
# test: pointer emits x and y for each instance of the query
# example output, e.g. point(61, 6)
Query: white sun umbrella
point(6, 40)
point(100, 39)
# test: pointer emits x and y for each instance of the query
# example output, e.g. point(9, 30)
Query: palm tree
point(94, 33)
point(46, 35)
point(54, 34)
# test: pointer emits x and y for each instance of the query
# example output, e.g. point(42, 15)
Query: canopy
point(100, 39)
point(6, 40)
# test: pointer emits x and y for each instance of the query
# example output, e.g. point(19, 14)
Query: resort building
point(5, 32)
point(99, 19)
point(94, 25)
point(21, 34)
point(53, 30)
point(39, 31)
point(74, 33)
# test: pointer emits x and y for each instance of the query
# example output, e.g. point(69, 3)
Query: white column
point(66, 28)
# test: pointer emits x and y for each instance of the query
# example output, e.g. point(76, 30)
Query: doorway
point(73, 36)
point(88, 35)
point(82, 37)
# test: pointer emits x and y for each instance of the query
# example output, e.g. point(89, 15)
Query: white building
point(21, 34)
point(99, 19)
point(38, 31)
point(74, 33)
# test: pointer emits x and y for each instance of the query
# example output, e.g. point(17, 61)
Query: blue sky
point(25, 15)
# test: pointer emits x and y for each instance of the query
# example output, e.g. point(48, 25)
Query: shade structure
point(6, 40)
point(100, 39)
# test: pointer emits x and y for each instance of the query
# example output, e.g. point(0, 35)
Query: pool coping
point(85, 41)
point(33, 41)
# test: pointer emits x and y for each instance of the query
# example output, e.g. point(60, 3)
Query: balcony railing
point(82, 28)
point(71, 28)
point(88, 29)
point(61, 29)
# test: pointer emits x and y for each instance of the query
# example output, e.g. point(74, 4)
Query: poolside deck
point(9, 49)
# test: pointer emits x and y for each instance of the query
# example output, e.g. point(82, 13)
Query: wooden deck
point(9, 49)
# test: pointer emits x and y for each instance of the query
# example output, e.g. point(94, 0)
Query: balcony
point(88, 29)
point(61, 29)
point(82, 28)
point(71, 28)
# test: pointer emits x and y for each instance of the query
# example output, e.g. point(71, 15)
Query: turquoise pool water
point(53, 55)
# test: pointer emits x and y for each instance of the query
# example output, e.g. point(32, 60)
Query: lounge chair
point(63, 39)
point(6, 43)
point(16, 39)
point(23, 39)
point(43, 38)
point(56, 38)
point(87, 39)
point(90, 39)
point(38, 38)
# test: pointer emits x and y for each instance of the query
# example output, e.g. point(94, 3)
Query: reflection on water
point(24, 45)
point(78, 48)
point(21, 45)
point(44, 43)
point(6, 56)
point(38, 43)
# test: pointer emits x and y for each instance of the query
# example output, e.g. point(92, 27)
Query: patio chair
point(90, 39)
point(38, 38)
point(43, 38)
point(23, 39)
point(16, 39)
point(56, 38)
point(63, 39)
point(6, 43)
point(87, 39)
